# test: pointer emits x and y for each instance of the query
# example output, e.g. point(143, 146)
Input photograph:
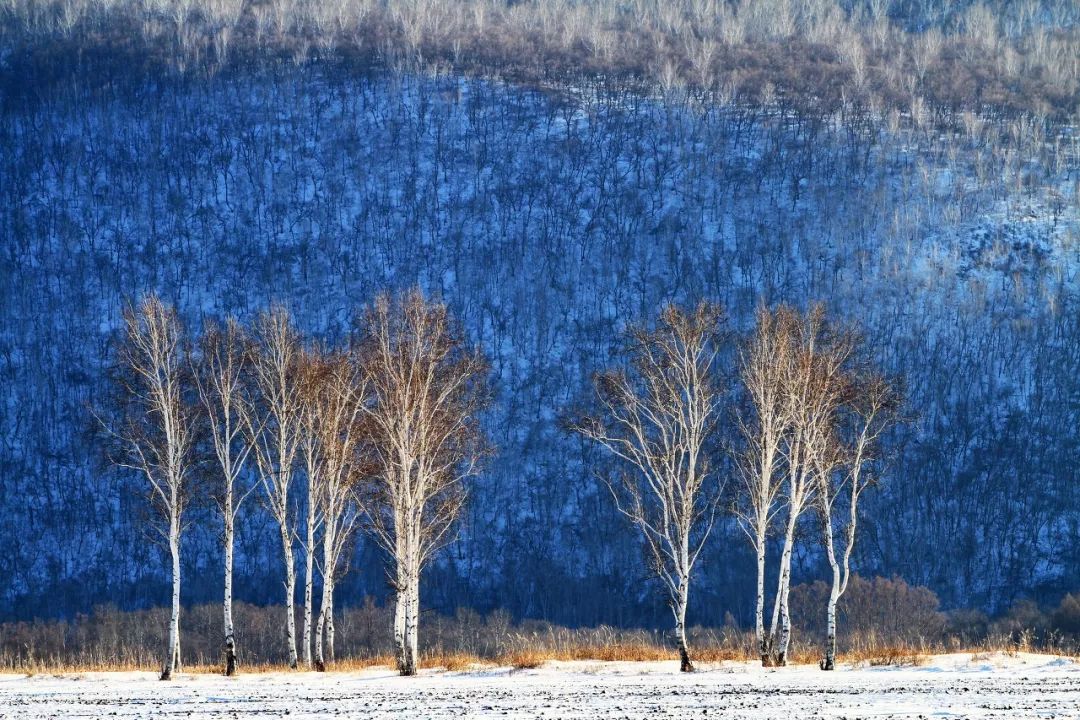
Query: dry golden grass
point(52, 667)
point(525, 659)
point(48, 667)
point(621, 652)
point(530, 656)
point(454, 662)
point(715, 654)
point(365, 662)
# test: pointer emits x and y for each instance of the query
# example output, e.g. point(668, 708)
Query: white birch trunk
point(290, 593)
point(320, 627)
point(326, 605)
point(759, 608)
point(682, 592)
point(841, 572)
point(829, 663)
point(785, 624)
point(172, 656)
point(781, 612)
point(400, 601)
point(412, 625)
point(230, 637)
point(309, 579)
point(406, 619)
point(330, 626)
point(682, 597)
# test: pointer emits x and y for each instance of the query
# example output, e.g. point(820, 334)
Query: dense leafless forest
point(552, 175)
point(920, 56)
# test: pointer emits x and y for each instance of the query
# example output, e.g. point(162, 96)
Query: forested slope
point(548, 218)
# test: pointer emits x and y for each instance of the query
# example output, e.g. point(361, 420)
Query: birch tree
point(426, 391)
point(219, 375)
point(845, 472)
point(311, 372)
point(813, 390)
point(272, 421)
point(339, 397)
point(658, 417)
point(763, 426)
point(157, 431)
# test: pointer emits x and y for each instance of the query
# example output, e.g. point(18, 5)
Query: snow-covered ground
point(967, 686)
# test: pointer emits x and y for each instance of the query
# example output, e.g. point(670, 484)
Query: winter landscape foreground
point(957, 685)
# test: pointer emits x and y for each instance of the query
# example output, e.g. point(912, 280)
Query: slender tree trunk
point(319, 662)
point(177, 666)
point(309, 581)
point(330, 626)
point(829, 662)
point(785, 630)
point(230, 637)
point(327, 601)
point(763, 644)
point(401, 600)
point(172, 657)
point(406, 618)
point(290, 592)
point(320, 629)
point(685, 665)
point(412, 626)
point(782, 641)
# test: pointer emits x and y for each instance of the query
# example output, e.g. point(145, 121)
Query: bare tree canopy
point(809, 426)
point(762, 423)
point(335, 391)
point(658, 417)
point(427, 389)
point(157, 429)
point(220, 373)
point(845, 469)
point(273, 423)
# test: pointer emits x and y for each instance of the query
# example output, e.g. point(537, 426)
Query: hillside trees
point(157, 429)
point(427, 390)
point(956, 349)
point(658, 416)
point(833, 52)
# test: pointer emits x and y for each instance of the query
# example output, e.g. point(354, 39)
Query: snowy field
point(947, 686)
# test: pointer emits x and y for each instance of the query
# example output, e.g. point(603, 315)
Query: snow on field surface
point(950, 686)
